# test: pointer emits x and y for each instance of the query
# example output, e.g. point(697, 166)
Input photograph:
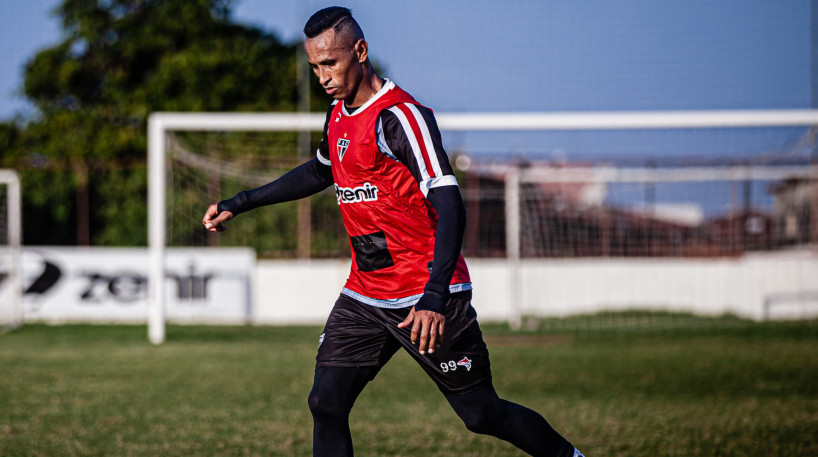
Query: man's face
point(336, 64)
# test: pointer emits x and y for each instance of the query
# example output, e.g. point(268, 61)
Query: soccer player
point(402, 208)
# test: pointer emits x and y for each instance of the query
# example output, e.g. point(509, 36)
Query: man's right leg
point(351, 350)
point(334, 391)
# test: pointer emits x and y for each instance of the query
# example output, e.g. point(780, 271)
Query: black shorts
point(360, 335)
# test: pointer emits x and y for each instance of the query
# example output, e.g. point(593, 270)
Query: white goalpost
point(158, 126)
point(520, 219)
point(11, 287)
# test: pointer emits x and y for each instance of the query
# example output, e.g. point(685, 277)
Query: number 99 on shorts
point(451, 365)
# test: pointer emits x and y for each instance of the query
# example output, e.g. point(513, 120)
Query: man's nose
point(323, 77)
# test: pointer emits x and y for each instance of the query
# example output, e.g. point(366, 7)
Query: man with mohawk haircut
point(402, 208)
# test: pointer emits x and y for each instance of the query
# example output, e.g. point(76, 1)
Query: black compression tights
point(484, 412)
point(335, 390)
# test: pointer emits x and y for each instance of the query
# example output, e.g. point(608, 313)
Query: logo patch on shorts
point(465, 362)
point(451, 365)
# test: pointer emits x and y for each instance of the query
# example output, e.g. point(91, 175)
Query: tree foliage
point(120, 60)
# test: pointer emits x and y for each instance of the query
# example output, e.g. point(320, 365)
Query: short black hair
point(330, 17)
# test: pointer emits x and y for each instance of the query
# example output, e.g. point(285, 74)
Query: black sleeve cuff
point(232, 204)
point(432, 300)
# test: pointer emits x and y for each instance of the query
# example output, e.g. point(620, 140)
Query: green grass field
point(615, 386)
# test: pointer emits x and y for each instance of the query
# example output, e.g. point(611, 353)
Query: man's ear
point(361, 48)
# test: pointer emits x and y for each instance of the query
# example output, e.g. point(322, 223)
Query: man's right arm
point(302, 181)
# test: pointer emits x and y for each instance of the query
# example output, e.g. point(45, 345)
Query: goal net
point(206, 167)
point(11, 289)
point(581, 211)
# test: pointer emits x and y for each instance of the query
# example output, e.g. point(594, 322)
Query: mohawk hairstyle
point(333, 17)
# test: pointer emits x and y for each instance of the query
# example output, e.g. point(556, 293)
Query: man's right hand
point(213, 220)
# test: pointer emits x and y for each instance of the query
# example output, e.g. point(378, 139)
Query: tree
point(83, 158)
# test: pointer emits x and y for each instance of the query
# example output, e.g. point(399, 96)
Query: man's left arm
point(410, 134)
point(451, 225)
point(427, 316)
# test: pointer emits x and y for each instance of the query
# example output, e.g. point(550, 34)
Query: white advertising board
point(69, 284)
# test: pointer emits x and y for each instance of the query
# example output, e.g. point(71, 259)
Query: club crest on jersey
point(465, 362)
point(342, 146)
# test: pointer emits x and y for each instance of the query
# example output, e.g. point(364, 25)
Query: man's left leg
point(484, 412)
point(462, 371)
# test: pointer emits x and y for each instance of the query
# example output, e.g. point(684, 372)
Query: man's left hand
point(427, 328)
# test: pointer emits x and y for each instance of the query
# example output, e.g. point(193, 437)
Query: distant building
point(574, 219)
point(795, 210)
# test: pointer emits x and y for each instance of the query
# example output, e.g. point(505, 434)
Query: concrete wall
point(304, 291)
point(230, 286)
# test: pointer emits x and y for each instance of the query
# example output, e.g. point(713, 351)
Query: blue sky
point(534, 55)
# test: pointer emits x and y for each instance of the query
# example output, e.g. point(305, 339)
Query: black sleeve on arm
point(426, 159)
point(451, 224)
point(302, 181)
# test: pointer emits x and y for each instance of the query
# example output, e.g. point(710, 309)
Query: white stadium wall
point(229, 286)
point(297, 291)
point(303, 292)
point(753, 286)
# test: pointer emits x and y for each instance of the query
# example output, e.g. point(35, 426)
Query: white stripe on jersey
point(321, 158)
point(427, 139)
point(382, 144)
point(398, 303)
point(417, 151)
point(413, 142)
point(440, 181)
point(318, 151)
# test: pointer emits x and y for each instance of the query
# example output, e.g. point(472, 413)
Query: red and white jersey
point(385, 156)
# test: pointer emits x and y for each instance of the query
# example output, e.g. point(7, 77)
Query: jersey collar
point(387, 86)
